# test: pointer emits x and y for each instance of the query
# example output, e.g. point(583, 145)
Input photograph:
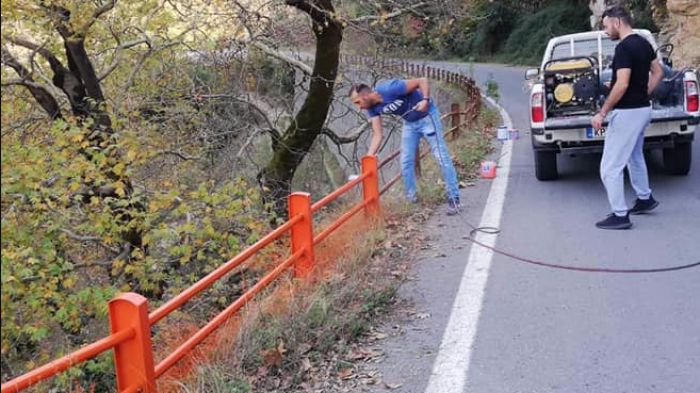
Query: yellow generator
point(571, 86)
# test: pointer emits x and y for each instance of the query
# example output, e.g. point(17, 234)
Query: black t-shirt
point(635, 53)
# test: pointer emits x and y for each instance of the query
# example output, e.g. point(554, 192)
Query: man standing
point(630, 113)
point(409, 99)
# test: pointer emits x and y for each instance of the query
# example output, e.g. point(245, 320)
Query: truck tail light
point(537, 105)
point(691, 96)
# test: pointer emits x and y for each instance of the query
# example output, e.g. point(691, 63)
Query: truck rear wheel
point(546, 165)
point(677, 159)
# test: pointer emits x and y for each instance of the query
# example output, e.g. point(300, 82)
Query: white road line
point(451, 367)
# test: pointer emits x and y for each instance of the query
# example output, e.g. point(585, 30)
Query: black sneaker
point(453, 207)
point(613, 221)
point(643, 206)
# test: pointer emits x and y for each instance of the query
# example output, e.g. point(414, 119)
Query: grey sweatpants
point(624, 142)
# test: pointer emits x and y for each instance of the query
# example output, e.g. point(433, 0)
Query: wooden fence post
point(455, 120)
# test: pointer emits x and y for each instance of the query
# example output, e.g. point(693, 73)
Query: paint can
point(502, 133)
point(488, 169)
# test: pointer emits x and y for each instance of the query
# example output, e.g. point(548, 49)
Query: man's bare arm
point(657, 73)
point(376, 135)
point(418, 83)
point(618, 90)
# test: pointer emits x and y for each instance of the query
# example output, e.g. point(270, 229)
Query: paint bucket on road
point(488, 169)
point(514, 135)
point(502, 133)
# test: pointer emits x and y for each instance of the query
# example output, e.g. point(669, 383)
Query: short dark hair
point(618, 11)
point(359, 88)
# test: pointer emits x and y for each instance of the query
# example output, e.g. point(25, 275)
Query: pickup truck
point(571, 85)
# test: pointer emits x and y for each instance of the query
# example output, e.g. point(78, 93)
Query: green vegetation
point(508, 31)
point(530, 35)
point(513, 32)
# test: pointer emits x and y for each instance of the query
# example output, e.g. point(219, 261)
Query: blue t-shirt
point(396, 101)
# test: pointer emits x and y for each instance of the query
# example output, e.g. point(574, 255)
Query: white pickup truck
point(570, 87)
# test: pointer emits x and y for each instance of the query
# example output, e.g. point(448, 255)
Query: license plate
point(591, 133)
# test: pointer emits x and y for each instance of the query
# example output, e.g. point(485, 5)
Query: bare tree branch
point(27, 43)
point(142, 60)
point(118, 56)
point(342, 140)
point(77, 237)
point(281, 56)
point(41, 93)
point(254, 102)
point(178, 154)
point(273, 134)
point(106, 7)
point(319, 15)
point(26, 83)
point(389, 15)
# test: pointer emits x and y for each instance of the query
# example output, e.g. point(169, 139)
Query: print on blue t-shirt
point(395, 101)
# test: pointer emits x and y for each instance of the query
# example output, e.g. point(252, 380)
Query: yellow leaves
point(131, 155)
point(187, 255)
point(77, 137)
point(118, 169)
point(68, 282)
point(119, 188)
point(117, 266)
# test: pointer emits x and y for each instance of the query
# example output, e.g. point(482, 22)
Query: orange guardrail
point(130, 322)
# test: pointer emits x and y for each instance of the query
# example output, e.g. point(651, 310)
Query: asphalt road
point(544, 330)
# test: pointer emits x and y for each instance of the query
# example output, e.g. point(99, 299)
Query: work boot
point(643, 206)
point(613, 221)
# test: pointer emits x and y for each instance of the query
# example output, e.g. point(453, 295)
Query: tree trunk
point(295, 143)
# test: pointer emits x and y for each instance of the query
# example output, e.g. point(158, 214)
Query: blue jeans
point(624, 142)
point(430, 128)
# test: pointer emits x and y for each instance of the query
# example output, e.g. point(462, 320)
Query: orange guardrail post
point(302, 232)
point(370, 185)
point(133, 359)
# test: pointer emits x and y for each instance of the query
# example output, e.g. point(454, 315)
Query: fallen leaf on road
point(392, 386)
point(271, 358)
point(379, 336)
point(346, 373)
point(305, 364)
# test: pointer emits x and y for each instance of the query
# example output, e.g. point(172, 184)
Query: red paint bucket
point(488, 169)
